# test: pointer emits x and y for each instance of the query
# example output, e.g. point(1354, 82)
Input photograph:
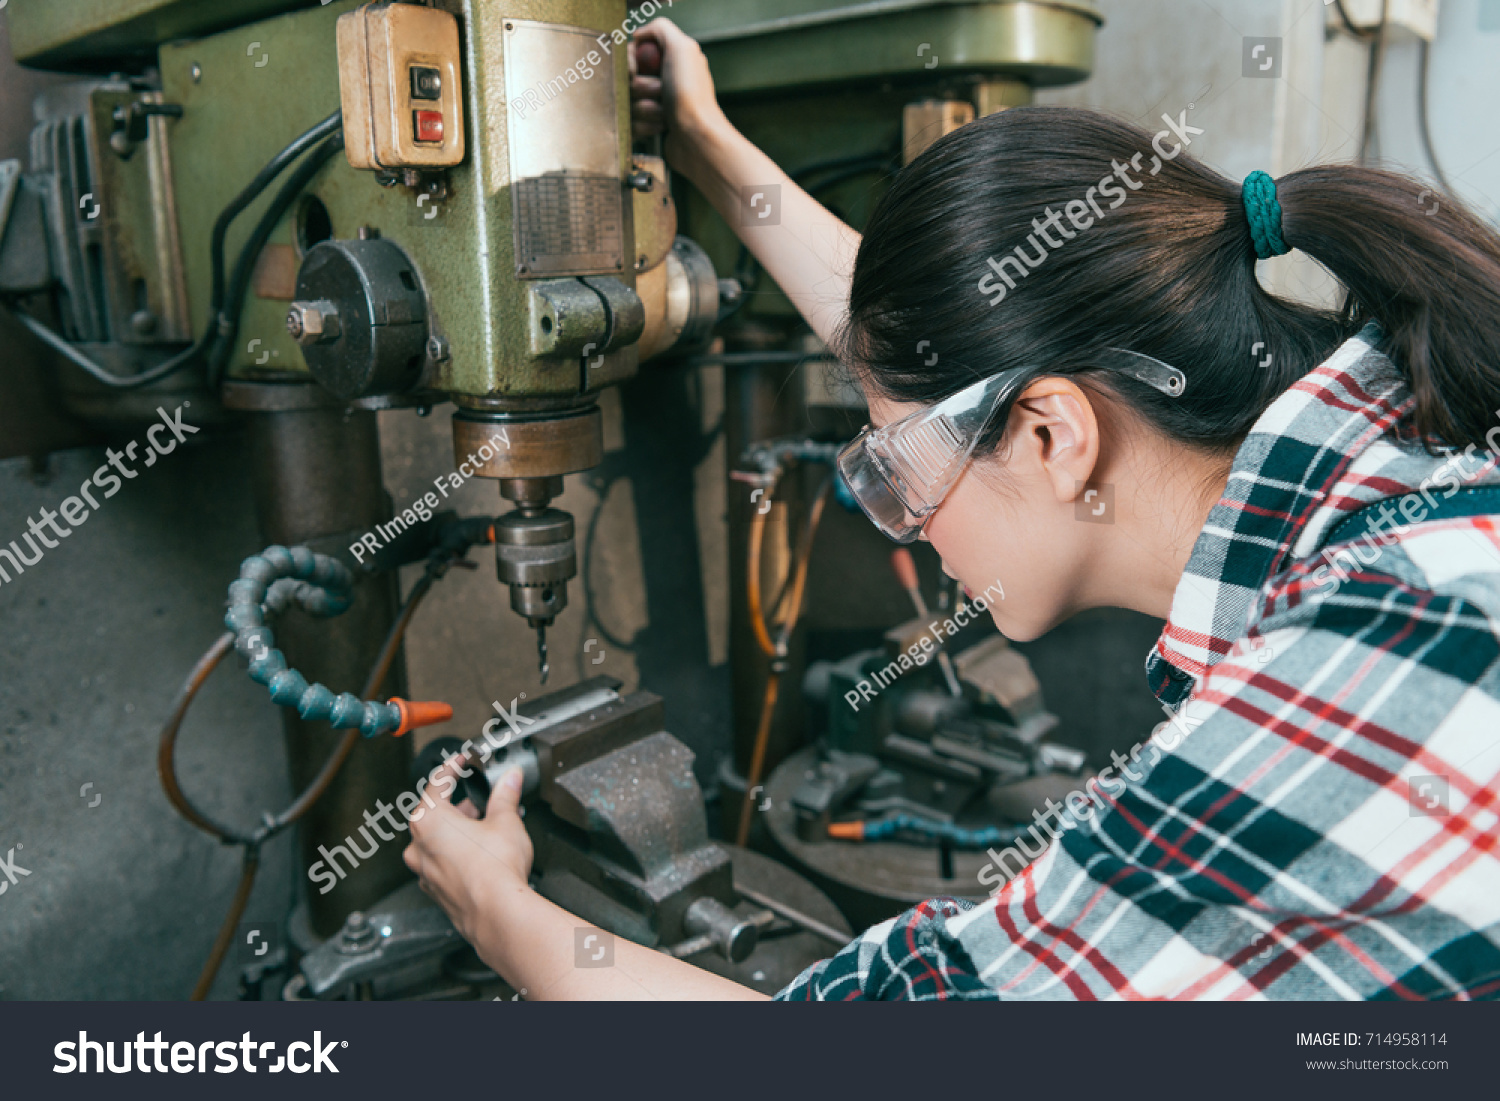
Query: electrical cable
point(789, 609)
point(1372, 83)
point(601, 484)
point(244, 268)
point(248, 867)
point(1424, 126)
point(332, 124)
point(589, 602)
point(1349, 26)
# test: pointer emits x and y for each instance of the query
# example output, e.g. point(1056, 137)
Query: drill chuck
point(536, 556)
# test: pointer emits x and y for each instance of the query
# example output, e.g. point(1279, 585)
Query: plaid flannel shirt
point(1327, 827)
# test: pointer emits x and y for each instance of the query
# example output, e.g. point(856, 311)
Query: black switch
point(426, 83)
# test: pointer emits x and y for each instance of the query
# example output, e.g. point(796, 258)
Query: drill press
point(571, 269)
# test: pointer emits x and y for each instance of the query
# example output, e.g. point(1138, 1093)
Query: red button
point(429, 125)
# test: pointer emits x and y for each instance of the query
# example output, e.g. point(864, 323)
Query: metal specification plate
point(566, 191)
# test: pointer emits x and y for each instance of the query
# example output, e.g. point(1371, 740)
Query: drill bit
point(541, 651)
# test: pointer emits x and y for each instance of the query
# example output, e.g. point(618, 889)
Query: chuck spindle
point(535, 555)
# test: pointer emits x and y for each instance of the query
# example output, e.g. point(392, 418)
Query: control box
point(399, 82)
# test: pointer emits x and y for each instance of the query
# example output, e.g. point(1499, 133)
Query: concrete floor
point(124, 898)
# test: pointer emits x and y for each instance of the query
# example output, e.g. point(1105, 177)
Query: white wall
point(1161, 55)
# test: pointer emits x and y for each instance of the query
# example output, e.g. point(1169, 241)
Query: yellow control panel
point(399, 81)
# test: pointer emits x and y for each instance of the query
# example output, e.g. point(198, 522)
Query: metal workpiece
point(487, 766)
point(360, 317)
point(487, 763)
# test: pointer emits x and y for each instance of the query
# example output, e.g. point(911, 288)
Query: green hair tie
point(1264, 213)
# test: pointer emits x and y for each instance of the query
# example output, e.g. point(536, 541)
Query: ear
point(1054, 426)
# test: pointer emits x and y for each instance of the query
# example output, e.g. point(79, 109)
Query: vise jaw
point(619, 826)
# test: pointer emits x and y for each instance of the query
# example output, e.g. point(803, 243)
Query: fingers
point(645, 57)
point(507, 794)
point(647, 120)
point(657, 32)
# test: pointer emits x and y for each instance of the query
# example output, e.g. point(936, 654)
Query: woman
point(1119, 415)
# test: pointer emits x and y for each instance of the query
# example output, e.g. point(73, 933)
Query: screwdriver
point(906, 573)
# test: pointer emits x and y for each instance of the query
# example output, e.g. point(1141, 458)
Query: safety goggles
point(900, 473)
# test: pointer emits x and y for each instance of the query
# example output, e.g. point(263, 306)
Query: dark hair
point(1169, 272)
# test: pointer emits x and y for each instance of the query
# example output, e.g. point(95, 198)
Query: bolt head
point(437, 348)
point(312, 322)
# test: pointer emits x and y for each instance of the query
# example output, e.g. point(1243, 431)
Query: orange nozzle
point(906, 569)
point(847, 831)
point(417, 713)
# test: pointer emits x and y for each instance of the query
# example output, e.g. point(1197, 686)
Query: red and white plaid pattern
point(1329, 828)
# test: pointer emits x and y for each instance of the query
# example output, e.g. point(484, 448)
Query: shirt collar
point(1283, 472)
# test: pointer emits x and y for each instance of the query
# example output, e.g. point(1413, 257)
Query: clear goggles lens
point(901, 472)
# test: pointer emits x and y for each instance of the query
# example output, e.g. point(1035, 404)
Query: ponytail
point(1425, 268)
